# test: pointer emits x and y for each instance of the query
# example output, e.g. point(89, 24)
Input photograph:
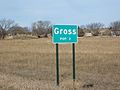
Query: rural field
point(31, 64)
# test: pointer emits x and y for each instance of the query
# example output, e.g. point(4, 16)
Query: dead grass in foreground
point(30, 65)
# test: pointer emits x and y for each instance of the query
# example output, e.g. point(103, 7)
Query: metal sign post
point(73, 51)
point(57, 64)
point(62, 34)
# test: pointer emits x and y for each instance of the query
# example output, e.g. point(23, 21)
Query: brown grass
point(30, 65)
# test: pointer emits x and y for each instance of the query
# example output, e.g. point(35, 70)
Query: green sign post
point(62, 34)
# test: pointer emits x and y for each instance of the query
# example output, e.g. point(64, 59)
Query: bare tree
point(94, 28)
point(115, 27)
point(41, 27)
point(4, 26)
point(18, 30)
point(81, 32)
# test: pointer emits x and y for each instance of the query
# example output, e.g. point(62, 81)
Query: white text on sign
point(64, 31)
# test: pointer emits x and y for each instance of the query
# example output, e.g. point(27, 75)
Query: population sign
point(64, 34)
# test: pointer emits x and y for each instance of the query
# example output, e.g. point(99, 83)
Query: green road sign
point(64, 34)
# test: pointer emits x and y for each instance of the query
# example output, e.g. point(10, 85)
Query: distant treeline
point(41, 29)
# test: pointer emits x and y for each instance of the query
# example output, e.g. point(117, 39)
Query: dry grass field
point(31, 65)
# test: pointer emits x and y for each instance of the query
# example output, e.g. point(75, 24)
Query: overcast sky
point(80, 12)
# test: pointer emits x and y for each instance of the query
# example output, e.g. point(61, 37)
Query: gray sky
point(80, 12)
